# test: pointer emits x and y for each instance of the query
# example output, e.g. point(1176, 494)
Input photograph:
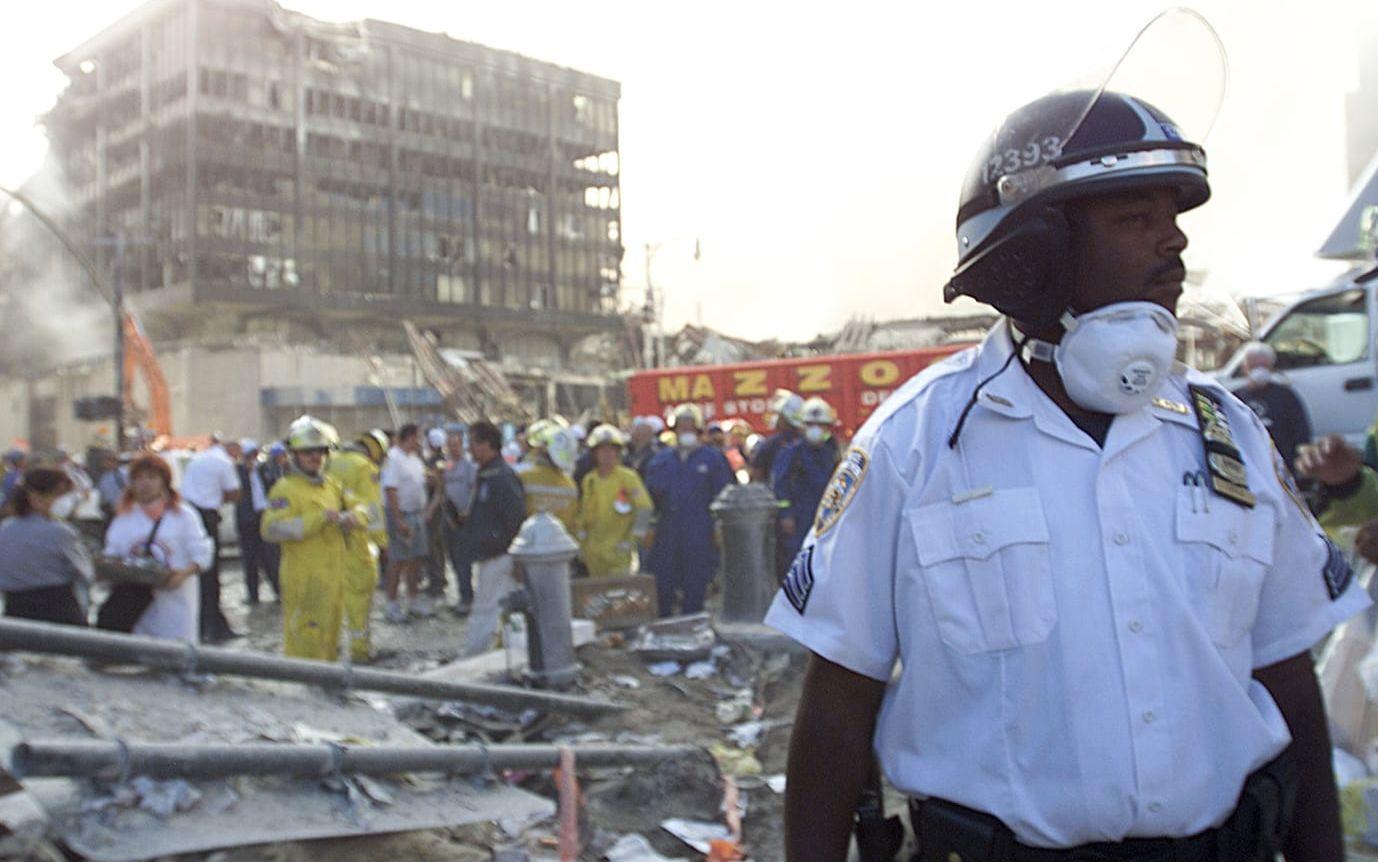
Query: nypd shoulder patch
point(842, 489)
point(799, 582)
point(1289, 485)
point(1338, 573)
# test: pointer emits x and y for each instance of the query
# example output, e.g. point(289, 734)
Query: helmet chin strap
point(1036, 349)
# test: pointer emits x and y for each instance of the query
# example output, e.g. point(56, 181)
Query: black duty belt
point(954, 833)
point(948, 832)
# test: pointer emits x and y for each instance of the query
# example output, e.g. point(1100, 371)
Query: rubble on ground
point(733, 702)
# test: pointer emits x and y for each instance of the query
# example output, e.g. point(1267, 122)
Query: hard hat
point(248, 444)
point(689, 414)
point(435, 438)
point(276, 448)
point(537, 432)
point(562, 448)
point(556, 439)
point(792, 409)
point(737, 428)
point(375, 443)
point(657, 424)
point(579, 432)
point(308, 432)
point(778, 399)
point(331, 433)
point(606, 435)
point(1012, 236)
point(541, 427)
point(816, 411)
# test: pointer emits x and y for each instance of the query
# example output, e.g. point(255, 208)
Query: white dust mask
point(688, 440)
point(1115, 359)
point(1260, 376)
point(816, 435)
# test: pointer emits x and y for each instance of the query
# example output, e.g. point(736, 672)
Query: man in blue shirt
point(800, 477)
point(683, 481)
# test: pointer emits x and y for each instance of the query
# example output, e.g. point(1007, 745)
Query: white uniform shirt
point(407, 473)
point(180, 541)
point(208, 477)
point(257, 493)
point(1076, 631)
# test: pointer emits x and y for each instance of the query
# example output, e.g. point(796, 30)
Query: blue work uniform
point(684, 556)
point(799, 477)
point(763, 459)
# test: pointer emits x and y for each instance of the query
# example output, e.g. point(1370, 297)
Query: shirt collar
point(1009, 392)
point(1015, 395)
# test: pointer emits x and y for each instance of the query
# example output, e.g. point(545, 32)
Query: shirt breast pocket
point(1227, 552)
point(986, 567)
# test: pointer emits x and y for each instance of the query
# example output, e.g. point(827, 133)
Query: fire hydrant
point(747, 515)
point(543, 549)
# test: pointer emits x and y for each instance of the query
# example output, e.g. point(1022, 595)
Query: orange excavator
point(140, 358)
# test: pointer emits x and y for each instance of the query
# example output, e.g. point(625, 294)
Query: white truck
point(1327, 348)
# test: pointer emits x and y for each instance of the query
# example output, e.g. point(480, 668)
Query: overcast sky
point(818, 150)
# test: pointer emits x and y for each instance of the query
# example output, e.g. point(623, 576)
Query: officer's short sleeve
point(1310, 587)
point(838, 598)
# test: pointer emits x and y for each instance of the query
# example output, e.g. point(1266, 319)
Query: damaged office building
point(275, 196)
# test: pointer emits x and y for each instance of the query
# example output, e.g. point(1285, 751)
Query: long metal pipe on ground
point(179, 656)
point(114, 761)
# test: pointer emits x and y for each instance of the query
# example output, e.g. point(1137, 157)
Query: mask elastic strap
point(1033, 349)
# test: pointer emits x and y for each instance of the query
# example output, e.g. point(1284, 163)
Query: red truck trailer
point(853, 383)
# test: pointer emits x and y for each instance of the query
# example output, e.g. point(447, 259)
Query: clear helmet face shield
point(1143, 119)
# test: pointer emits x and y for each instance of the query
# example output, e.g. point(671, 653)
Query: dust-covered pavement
point(747, 692)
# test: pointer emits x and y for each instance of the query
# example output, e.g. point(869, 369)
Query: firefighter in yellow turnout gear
point(544, 473)
point(614, 508)
point(309, 514)
point(356, 468)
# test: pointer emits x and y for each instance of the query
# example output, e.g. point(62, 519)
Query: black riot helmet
point(1013, 249)
point(1012, 243)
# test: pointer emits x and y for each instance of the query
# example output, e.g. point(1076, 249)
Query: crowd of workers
point(327, 522)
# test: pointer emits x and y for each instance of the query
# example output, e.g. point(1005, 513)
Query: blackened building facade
point(276, 174)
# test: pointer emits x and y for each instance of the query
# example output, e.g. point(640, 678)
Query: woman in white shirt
point(179, 542)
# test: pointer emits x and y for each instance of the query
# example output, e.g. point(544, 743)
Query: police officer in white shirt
point(209, 481)
point(1059, 585)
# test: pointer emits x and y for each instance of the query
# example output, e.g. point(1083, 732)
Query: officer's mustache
point(1173, 269)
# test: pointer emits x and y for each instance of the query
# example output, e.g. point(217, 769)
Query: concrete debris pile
point(469, 385)
point(130, 763)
